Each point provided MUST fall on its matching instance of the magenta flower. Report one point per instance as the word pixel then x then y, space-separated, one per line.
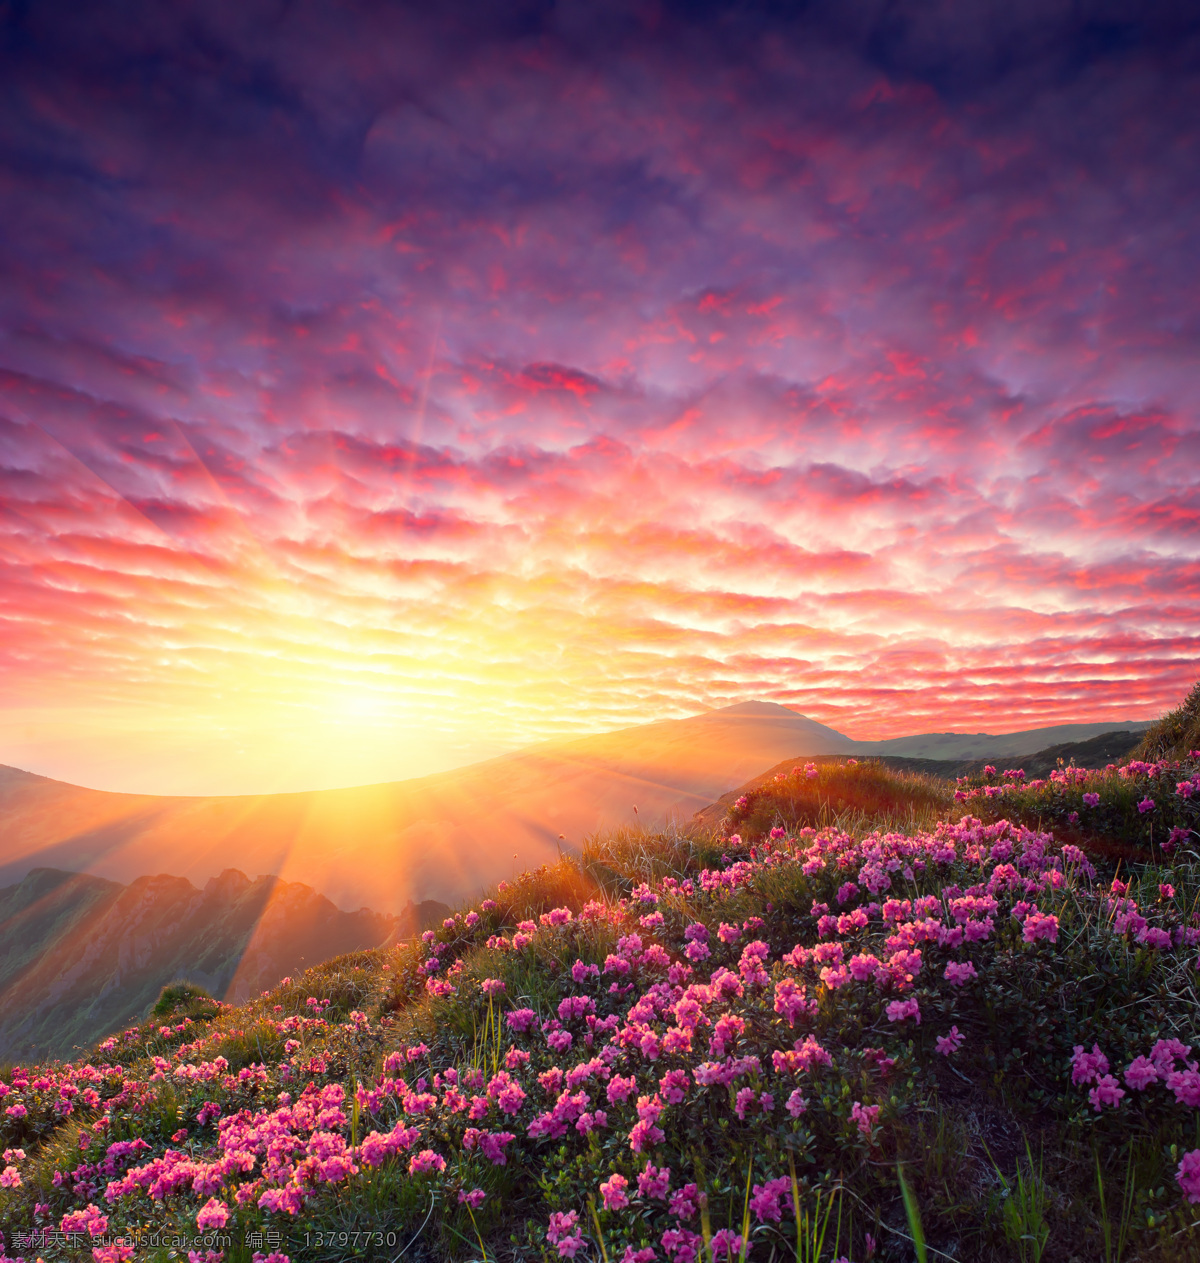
pixel 621 1089
pixel 791 1001
pixel 1147 804
pixel 865 1116
pixel 475 1198
pixel 686 1202
pixel 1140 1073
pixel 213 1214
pixel 1186 1086
pixel 1041 926
pixel 563 1232
pixel 613 1192
pixel 90 1221
pixel 674 1085
pixel 1187 1175
pixel 727 1244
pixel 949 1044
pixel 959 972
pixel 1091 800
pixel 796 1104
pixel 426 1160
pixel 1154 936
pixel 1087 1067
pixel 1106 1092
pixel 654 1182
pixel 681 1245
pixel 765 1203
pixel 902 1010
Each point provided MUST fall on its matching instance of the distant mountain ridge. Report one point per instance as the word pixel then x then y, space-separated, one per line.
pixel 80 956
pixel 448 836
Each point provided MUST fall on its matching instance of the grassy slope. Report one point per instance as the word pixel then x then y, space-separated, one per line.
pixel 1176 733
pixel 959 1123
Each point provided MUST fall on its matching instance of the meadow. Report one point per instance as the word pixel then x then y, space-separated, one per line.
pixel 871 1016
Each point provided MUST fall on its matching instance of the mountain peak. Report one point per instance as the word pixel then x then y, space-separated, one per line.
pixel 756 708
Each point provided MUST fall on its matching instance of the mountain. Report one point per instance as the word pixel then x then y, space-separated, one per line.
pixel 81 955
pixel 441 837
pixel 983 745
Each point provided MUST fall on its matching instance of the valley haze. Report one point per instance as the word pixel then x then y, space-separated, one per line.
pixel 447 836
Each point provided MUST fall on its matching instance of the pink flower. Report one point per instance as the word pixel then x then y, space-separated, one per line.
pixel 1041 926
pixel 613 1192
pixel 621 1089
pixel 560 1041
pixel 948 1044
pixel 563 1232
pixel 644 1135
pixel 1087 1066
pixel 765 1203
pixel 213 1214
pixel 748 1099
pixel 959 972
pixel 1091 800
pixel 864 966
pixel 901 1010
pixel 654 1182
pixel 796 1104
pixel 10 1177
pixel 791 1001
pixel 1147 804
pixel 90 1221
pixel 1186 1086
pixel 1106 1092
pixel 492 986
pixel 1187 1175
pixel 426 1160
pixel 681 1245
pixel 686 1202
pixel 674 1085
pixel 491 1145
pixel 1140 1073
pixel 727 1244
pixel 1153 936
pixel 865 1116
pixel 750 966
pixel 475 1198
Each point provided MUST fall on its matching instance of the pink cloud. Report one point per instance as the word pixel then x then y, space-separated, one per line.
pixel 524 379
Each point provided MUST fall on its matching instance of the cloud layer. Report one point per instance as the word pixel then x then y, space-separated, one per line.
pixel 379 392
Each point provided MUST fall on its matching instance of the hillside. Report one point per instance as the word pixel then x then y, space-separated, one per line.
pixel 966 1041
pixel 443 837
pixel 80 956
pixel 1097 751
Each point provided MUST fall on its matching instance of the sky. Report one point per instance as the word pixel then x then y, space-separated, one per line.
pixel 384 387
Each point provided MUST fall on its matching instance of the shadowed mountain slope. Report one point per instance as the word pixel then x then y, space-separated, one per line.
pixel 440 837
pixel 80 956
